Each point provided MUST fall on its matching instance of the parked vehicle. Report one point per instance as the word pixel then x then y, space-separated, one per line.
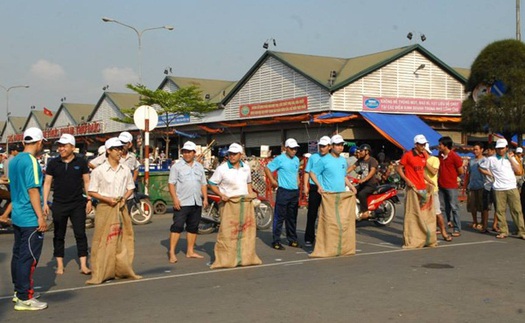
pixel 381 204
pixel 140 208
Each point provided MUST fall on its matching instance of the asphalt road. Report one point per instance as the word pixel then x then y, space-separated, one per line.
pixel 475 278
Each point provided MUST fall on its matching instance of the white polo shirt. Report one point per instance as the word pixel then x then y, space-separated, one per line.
pixel 501 169
pixel 230 180
pixel 111 182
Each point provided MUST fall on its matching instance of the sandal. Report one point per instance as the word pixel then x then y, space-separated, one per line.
pixel 447 238
pixel 501 236
pixel 456 234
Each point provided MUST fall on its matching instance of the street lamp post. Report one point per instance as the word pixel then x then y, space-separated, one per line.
pixel 7 89
pixel 139 36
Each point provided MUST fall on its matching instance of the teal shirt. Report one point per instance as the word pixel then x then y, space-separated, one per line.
pixel 331 172
pixel 24 173
pixel 314 158
pixel 287 171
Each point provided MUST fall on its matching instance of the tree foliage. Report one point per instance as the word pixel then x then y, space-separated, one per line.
pixel 500 61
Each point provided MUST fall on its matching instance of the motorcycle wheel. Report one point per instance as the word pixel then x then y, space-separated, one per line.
pixel 160 207
pixel 388 216
pixel 264 215
pixel 207 227
pixel 141 212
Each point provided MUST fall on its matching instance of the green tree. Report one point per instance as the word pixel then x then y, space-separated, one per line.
pixel 186 101
pixel 502 61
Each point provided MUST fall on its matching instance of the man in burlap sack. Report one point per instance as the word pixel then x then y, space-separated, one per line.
pixel 232 181
pixel 112 248
pixel 419 226
pixel 336 224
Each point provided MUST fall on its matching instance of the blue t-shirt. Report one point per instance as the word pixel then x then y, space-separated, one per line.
pixel 287 170
pixel 314 158
pixel 476 179
pixel 331 173
pixel 24 173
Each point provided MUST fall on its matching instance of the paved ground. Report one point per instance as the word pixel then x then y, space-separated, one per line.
pixel 475 278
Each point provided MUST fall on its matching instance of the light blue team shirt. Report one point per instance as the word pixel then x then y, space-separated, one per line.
pixel 287 171
pixel 331 172
pixel 24 173
pixel 314 158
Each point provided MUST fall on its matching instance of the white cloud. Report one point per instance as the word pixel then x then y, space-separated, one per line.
pixel 46 70
pixel 117 78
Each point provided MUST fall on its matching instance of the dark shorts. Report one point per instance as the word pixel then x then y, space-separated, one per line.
pixel 488 200
pixel 475 201
pixel 189 215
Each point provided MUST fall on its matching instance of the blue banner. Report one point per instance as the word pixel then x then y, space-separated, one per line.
pixel 173 119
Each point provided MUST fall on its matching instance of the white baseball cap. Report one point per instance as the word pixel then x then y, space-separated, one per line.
pixel 291 143
pixel 420 139
pixel 189 145
pixel 235 148
pixel 324 141
pixel 66 139
pixel 519 150
pixel 125 137
pixel 337 139
pixel 33 134
pixel 501 143
pixel 427 147
pixel 101 150
pixel 113 142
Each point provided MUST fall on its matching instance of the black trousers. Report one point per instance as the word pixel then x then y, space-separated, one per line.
pixel 286 208
pixel 314 201
pixel 77 213
pixel 362 195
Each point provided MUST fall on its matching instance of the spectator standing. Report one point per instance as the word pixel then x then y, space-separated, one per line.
pixel 287 196
pixel 475 188
pixel 28 218
pixel 488 191
pixel 450 167
pixel 69 175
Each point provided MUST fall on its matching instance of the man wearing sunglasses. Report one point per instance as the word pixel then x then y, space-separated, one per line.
pixel 287 198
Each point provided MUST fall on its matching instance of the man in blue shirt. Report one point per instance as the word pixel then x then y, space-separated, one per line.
pixel 287 197
pixel 310 189
pixel 28 219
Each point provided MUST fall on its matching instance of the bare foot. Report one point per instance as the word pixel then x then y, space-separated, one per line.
pixel 194 255
pixel 85 271
pixel 59 271
pixel 173 259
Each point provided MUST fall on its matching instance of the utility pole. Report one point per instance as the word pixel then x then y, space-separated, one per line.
pixel 518 23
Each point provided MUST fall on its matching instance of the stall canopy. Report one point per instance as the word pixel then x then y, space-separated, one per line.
pixel 400 129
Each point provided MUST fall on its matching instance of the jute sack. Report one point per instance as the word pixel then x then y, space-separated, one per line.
pixel 336 225
pixel 112 248
pixel 235 244
pixel 419 227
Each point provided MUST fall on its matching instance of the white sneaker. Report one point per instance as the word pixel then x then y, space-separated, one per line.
pixel 35 295
pixel 30 305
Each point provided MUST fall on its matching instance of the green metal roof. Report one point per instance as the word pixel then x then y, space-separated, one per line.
pixel 217 89
pixel 77 111
pixel 18 123
pixel 124 100
pixel 41 118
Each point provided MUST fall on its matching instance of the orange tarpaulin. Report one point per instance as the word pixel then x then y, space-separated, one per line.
pixel 211 130
pixel 441 119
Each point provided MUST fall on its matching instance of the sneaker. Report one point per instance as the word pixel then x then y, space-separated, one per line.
pixel 30 305
pixel 278 246
pixel 294 244
pixel 308 244
pixel 35 295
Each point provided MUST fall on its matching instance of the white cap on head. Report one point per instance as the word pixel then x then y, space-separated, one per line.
pixel 33 134
pixel 337 139
pixel 501 143
pixel 66 139
pixel 519 150
pixel 125 137
pixel 113 142
pixel 101 150
pixel 189 145
pixel 235 148
pixel 420 139
pixel 291 143
pixel 427 147
pixel 324 141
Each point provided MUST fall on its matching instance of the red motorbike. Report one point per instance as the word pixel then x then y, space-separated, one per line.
pixel 210 219
pixel 381 204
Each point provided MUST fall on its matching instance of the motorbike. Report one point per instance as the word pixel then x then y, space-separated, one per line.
pixel 140 208
pixel 381 204
pixel 210 219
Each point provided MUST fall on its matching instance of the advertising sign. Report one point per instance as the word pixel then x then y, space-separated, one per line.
pixel 274 107
pixel 411 105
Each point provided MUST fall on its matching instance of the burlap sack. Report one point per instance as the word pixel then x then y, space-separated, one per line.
pixel 112 248
pixel 235 244
pixel 336 225
pixel 419 227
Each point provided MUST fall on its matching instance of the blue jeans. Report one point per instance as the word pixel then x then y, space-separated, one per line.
pixel 448 198
pixel 26 252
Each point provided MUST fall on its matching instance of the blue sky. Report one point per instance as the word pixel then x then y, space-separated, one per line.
pixel 63 49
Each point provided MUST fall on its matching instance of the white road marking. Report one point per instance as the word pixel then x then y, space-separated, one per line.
pixel 208 272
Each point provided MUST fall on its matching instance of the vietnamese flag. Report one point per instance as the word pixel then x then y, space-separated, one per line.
pixel 48 112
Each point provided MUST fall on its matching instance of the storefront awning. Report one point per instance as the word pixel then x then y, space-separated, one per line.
pixel 400 129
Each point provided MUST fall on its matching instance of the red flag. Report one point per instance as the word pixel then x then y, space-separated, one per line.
pixel 48 112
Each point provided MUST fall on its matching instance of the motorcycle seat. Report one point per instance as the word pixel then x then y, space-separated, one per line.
pixel 383 188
